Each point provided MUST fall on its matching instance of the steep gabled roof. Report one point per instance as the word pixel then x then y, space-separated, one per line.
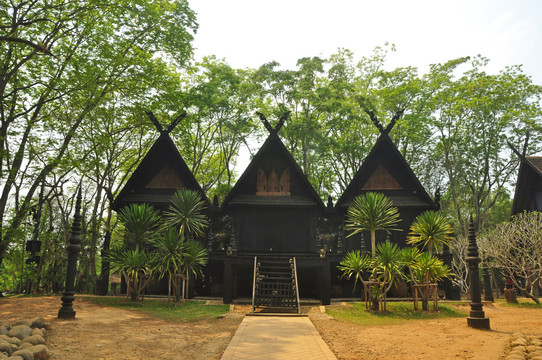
pixel 386 170
pixel 274 151
pixel 528 184
pixel 161 172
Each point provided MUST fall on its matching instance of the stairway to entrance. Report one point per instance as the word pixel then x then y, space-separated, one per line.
pixel 275 284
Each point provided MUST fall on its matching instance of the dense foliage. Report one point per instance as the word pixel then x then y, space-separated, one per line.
pixel 76 78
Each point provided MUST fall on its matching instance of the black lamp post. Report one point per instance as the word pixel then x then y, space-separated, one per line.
pixel 477 318
pixel 66 311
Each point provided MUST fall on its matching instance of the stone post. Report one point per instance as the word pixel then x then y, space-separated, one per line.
pixel 66 311
pixel 477 318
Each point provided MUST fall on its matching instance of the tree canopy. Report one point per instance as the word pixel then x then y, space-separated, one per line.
pixel 77 77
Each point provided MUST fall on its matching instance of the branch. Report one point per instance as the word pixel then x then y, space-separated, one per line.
pixel 371 114
pixel 525 144
pixel 39 46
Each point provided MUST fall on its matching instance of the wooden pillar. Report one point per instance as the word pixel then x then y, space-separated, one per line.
pixel 325 282
pixel 228 282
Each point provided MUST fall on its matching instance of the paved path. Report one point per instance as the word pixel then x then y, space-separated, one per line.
pixel 275 338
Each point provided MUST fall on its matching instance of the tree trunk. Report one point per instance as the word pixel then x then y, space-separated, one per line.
pixel 373 244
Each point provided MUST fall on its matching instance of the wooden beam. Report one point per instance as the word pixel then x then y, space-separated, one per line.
pixel 175 122
pixel 265 122
pixel 154 120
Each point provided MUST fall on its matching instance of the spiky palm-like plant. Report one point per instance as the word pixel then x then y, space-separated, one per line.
pixel 371 212
pixel 194 259
pixel 186 213
pixel 432 230
pixel 428 268
pixel 353 265
pixel 136 266
pixel 169 247
pixel 388 266
pixel 140 222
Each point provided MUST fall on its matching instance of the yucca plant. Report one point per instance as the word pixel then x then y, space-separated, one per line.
pixel 431 230
pixel 140 222
pixel 194 259
pixel 428 268
pixel 135 266
pixel 186 213
pixel 353 265
pixel 169 247
pixel 410 257
pixel 388 267
pixel 371 212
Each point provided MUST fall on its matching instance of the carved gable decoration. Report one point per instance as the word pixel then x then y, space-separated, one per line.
pixel 166 178
pixel 272 185
pixel 381 179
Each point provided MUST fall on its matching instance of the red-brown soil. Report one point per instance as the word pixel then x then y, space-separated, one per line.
pixel 110 333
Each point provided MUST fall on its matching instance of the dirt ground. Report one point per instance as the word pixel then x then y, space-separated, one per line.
pixel 110 333
pixel 448 338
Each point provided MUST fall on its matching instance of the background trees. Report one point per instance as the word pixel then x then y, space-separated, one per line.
pixel 515 247
pixel 77 76
pixel 64 63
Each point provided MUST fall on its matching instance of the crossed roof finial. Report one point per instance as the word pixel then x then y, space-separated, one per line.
pixel 171 126
pixel 268 125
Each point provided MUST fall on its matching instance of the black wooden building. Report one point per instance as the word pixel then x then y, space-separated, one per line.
pixel 528 194
pixel 160 174
pixel 273 210
pixel 385 170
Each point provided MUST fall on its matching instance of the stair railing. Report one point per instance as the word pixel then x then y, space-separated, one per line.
pixel 296 288
pixel 254 282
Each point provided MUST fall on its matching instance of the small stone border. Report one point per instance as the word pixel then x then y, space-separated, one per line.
pixel 524 347
pixel 23 340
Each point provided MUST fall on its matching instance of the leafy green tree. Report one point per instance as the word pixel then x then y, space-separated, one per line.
pixel 371 212
pixel 217 99
pixel 476 115
pixel 65 59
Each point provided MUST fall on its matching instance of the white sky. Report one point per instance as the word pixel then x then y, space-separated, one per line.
pixel 249 33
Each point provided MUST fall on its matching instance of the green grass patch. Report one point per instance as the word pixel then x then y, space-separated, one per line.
pixel 396 313
pixel 522 303
pixel 167 310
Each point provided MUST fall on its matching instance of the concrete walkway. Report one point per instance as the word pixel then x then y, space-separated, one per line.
pixel 275 338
